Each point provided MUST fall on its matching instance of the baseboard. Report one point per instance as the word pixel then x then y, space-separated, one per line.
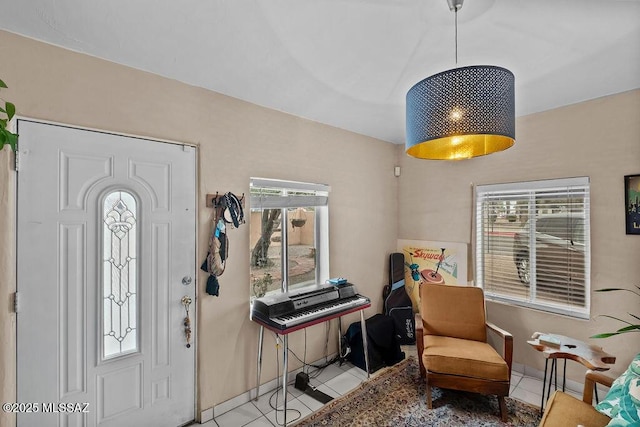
pixel 206 415
pixel 571 385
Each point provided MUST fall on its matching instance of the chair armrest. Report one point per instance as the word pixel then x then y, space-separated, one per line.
pixel 499 331
pixel 420 343
pixel 590 380
pixel 507 339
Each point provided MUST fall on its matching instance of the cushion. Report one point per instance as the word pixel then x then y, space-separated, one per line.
pixel 453 311
pixel 564 410
pixel 622 402
pixel 468 358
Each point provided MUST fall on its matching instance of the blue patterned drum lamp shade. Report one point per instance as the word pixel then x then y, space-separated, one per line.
pixel 461 113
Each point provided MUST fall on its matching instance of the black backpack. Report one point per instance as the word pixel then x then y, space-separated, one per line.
pixel 383 347
pixel 397 303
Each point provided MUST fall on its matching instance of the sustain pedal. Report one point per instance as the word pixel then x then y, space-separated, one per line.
pixel 302 384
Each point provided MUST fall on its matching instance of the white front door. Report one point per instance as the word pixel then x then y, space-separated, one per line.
pixel 106 252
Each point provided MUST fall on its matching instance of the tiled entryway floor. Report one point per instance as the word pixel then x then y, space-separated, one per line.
pixel 336 381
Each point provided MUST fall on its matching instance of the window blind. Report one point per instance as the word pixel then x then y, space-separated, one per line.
pixel 532 244
pixel 280 194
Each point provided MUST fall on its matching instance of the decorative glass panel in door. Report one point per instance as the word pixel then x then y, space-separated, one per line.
pixel 119 280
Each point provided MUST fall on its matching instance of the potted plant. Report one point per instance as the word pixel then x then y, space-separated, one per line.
pixel 299 219
pixel 298 222
pixel 630 326
pixel 261 285
pixel 6 114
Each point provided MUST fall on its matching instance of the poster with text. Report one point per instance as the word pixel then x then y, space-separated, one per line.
pixel 432 262
pixel 632 196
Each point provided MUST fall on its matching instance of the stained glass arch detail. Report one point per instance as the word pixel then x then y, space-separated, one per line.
pixel 119 274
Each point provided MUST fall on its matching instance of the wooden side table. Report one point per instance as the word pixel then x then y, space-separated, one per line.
pixel 556 347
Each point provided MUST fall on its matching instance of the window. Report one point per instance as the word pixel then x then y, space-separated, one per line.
pixel 119 275
pixel 532 244
pixel 289 241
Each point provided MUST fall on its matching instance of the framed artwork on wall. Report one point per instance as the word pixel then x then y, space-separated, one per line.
pixel 632 203
pixel 427 261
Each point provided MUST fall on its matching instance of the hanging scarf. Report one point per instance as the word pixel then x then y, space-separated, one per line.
pixel 228 210
pixel 216 260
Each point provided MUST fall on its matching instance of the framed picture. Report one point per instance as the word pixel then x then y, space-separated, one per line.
pixel 427 261
pixel 632 203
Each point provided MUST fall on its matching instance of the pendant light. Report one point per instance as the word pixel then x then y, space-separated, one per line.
pixel 461 113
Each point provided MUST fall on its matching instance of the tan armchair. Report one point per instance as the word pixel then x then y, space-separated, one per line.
pixel 451 336
pixel 562 409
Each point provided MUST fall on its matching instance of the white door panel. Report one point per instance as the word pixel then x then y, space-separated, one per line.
pixel 100 280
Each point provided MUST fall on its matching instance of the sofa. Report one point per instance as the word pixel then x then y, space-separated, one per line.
pixel 620 407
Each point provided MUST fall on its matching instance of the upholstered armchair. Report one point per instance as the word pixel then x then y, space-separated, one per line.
pixel 451 336
pixel 565 410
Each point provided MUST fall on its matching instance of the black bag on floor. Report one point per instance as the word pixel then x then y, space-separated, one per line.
pixel 383 346
pixel 397 303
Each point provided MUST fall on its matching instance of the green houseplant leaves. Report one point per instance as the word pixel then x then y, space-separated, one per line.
pixel 631 327
pixel 7 111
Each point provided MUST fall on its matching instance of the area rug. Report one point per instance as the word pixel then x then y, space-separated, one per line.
pixel 396 397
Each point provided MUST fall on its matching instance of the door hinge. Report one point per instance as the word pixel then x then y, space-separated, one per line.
pixel 16 160
pixel 16 302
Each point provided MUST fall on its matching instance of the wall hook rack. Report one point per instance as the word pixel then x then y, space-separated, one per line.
pixel 214 200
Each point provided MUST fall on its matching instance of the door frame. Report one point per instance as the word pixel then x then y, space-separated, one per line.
pixel 11 352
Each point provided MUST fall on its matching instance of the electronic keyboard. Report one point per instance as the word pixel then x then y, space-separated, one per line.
pixel 289 311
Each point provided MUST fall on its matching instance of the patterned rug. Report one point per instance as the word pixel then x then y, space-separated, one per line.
pixel 396 397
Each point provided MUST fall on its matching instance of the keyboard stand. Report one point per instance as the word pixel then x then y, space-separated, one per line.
pixel 285 348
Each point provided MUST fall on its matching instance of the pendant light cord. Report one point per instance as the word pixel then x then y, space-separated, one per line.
pixel 456 38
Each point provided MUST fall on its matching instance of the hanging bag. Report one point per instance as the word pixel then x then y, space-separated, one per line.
pixel 227 210
pixel 215 262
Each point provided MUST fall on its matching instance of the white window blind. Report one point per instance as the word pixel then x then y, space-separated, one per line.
pixel 532 244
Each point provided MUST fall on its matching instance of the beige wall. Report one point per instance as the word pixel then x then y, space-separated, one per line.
pixel 236 140
pixel 599 139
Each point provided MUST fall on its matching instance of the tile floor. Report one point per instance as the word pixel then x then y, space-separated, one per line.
pixel 335 381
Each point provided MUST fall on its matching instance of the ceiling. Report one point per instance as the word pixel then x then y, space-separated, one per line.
pixel 349 63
